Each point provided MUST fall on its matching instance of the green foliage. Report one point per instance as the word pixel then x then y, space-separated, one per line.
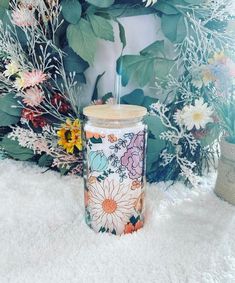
pixel 173 27
pixel 82 40
pixel 156 48
pixel 73 62
pixel 9 105
pixel 101 4
pixel 137 97
pixel 45 160
pixel 122 34
pixel 95 94
pixel 4 4
pixel 9 110
pixel 7 120
pixel 166 8
pixel 138 67
pixel 101 27
pixel 142 67
pixel 71 10
pixel 16 151
pixel 155 145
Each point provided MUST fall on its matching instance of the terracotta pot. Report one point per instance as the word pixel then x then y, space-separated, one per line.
pixel 225 183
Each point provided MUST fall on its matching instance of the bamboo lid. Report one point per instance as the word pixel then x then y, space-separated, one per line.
pixel 114 112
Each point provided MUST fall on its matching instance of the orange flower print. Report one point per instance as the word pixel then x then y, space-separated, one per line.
pixel 112 138
pixel 110 205
pixel 139 225
pixel 130 228
pixel 136 185
pixel 90 135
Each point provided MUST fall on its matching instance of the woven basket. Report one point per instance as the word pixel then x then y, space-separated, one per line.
pixel 225 183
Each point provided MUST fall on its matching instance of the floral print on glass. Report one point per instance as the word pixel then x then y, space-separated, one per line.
pixel 115 179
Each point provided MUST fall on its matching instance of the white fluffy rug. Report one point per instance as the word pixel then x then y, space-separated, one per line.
pixel 189 235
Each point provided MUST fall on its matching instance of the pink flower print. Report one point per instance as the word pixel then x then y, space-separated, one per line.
pixel 133 158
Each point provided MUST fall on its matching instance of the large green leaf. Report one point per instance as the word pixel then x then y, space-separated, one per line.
pixel 101 3
pixel 82 40
pixel 101 27
pixel 165 8
pixel 4 4
pixel 173 27
pixel 194 2
pixel 155 126
pixel 73 62
pixel 155 48
pixel 136 97
pixel 16 151
pixel 7 120
pixel 9 105
pixel 163 68
pixel 139 67
pixel 71 10
pixel 154 148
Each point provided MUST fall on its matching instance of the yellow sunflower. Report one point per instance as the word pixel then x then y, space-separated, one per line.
pixel 70 135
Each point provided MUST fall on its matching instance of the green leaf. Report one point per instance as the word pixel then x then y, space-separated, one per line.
pixel 101 3
pixel 45 160
pixel 194 2
pixel 139 67
pixel 101 27
pixel 154 148
pixel 94 140
pixel 155 48
pixel 71 10
pixel 122 34
pixel 4 4
pixel 9 105
pixel 7 120
pixel 148 101
pixel 16 151
pixel 95 92
pixel 155 126
pixel 82 40
pixel 136 97
pixel 173 27
pixel 165 8
pixel 127 10
pixel 73 62
pixel 163 68
pixel 80 77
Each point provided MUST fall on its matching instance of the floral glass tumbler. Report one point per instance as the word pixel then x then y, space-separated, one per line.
pixel 115 168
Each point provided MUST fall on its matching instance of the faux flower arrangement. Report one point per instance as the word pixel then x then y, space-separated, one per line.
pixel 46 46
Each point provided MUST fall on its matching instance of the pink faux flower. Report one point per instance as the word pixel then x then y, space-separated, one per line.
pixel 23 17
pixel 33 96
pixel 33 78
